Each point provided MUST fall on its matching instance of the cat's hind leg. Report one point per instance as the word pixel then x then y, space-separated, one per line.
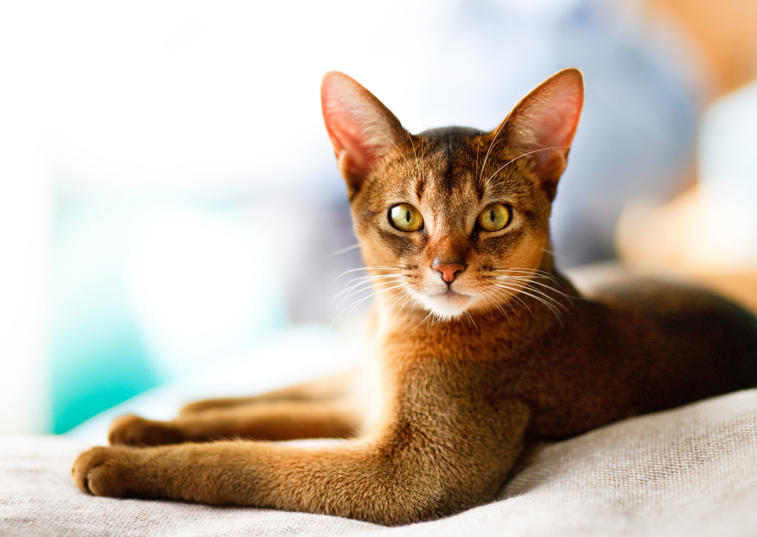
pixel 274 420
pixel 322 389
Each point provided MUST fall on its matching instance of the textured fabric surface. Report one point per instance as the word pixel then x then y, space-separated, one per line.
pixel 686 472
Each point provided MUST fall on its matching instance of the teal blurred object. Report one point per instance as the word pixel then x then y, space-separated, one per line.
pixel 98 357
pixel 98 361
pixel 145 293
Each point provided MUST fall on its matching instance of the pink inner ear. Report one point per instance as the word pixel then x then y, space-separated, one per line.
pixel 556 125
pixel 345 137
pixel 356 123
pixel 549 118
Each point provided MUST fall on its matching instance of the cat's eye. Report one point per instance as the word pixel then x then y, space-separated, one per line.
pixel 405 217
pixel 495 217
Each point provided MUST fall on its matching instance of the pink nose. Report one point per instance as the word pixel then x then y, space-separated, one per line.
pixel 448 270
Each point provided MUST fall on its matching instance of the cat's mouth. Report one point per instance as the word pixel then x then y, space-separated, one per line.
pixel 448 303
pixel 449 293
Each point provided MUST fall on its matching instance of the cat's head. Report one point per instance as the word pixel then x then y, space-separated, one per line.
pixel 453 219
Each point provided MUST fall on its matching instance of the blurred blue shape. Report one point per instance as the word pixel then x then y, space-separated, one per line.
pixel 644 93
pixel 728 164
pixel 201 290
pixel 98 360
pixel 98 356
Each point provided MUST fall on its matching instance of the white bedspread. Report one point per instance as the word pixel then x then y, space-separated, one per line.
pixel 689 472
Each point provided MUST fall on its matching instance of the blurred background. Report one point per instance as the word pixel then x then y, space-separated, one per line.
pixel 169 197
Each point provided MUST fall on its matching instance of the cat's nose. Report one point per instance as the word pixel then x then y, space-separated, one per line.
pixel 448 270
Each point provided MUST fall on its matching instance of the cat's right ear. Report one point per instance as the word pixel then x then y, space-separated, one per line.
pixel 362 130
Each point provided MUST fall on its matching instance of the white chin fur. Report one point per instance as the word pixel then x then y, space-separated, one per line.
pixel 446 306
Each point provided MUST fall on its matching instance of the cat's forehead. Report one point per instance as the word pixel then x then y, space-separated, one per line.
pixel 450 147
pixel 440 163
pixel 451 134
pixel 453 164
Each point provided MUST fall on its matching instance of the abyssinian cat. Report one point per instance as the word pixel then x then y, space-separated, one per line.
pixel 483 347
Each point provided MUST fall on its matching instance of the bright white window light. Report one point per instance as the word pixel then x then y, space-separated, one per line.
pixel 200 286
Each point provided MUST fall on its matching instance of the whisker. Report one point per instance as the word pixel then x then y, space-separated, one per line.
pixel 417 161
pixel 379 276
pixel 407 297
pixel 487 299
pixel 518 158
pixel 363 279
pixel 538 292
pixel 523 276
pixel 486 157
pixel 498 294
pixel 523 269
pixel 342 250
pixel 550 299
pixel 544 285
pixel 366 285
pixel 526 270
pixel 368 268
pixel 470 319
pixel 548 302
pixel 478 150
pixel 350 308
pixel 353 306
pixel 430 313
pixel 561 257
pixel 403 292
pixel 512 292
pixel 501 286
pixel 534 273
pixel 372 278
pixel 531 281
pixel 500 308
pixel 399 293
pixel 359 288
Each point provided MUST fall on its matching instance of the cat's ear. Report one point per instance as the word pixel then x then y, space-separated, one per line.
pixel 543 124
pixel 361 128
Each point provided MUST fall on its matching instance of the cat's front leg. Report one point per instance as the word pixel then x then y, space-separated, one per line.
pixel 400 475
pixel 351 481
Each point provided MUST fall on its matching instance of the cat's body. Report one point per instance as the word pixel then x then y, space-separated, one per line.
pixel 481 346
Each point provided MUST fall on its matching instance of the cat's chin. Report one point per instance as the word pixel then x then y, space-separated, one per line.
pixel 447 304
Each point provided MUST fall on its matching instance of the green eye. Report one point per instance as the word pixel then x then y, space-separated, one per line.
pixel 495 217
pixel 405 217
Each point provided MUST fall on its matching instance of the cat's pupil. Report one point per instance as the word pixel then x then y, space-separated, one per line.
pixel 491 215
pixel 407 216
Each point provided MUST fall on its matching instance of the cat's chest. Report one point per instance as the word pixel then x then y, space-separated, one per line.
pixel 499 343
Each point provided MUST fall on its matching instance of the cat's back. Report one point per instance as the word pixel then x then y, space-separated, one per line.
pixel 700 335
pixel 634 345
pixel 669 300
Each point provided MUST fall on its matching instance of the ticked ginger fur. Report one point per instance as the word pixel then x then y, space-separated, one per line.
pixel 481 347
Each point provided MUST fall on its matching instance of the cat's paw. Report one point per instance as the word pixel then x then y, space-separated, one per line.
pixel 131 430
pixel 103 471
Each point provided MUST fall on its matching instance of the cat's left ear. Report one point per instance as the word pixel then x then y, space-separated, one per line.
pixel 543 124
pixel 362 130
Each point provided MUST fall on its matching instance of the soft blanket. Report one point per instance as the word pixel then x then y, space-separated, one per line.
pixel 687 472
